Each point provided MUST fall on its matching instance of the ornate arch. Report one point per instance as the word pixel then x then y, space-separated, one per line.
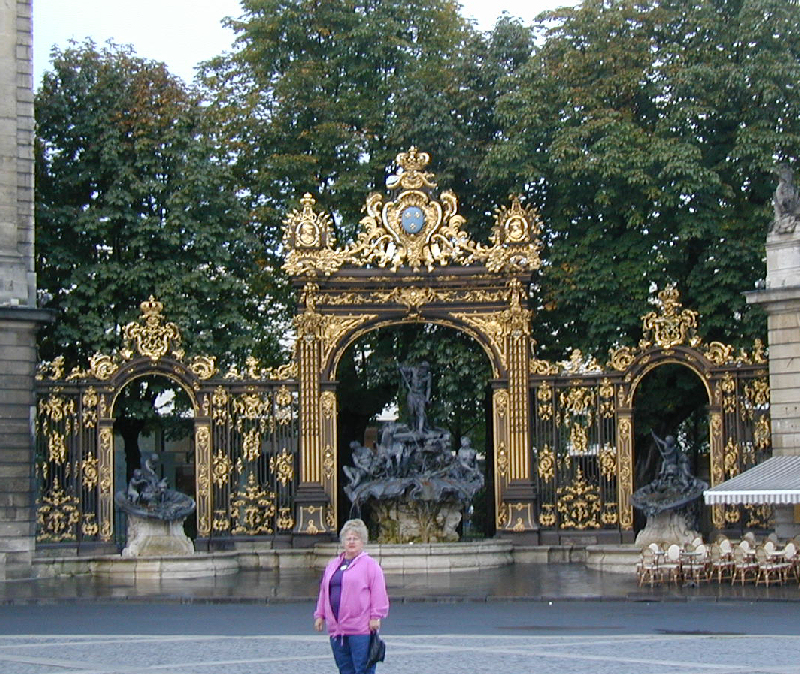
pixel 244 438
pixel 411 263
pixel 582 414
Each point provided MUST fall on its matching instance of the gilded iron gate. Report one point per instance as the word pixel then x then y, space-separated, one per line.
pixel 244 441
pixel 582 423
pixel 265 440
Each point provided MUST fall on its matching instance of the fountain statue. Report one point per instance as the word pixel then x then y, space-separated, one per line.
pixel 668 499
pixel 155 514
pixel 415 484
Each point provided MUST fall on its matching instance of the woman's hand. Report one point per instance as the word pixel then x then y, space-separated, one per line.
pixel 374 623
pixel 319 623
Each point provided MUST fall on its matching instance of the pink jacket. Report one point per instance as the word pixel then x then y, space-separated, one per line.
pixel 363 596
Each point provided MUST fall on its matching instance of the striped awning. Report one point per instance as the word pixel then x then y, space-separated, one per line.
pixel 777 480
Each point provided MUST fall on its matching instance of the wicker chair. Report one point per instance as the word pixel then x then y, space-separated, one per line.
pixel 647 568
pixel 720 564
pixel 744 566
pixel 768 569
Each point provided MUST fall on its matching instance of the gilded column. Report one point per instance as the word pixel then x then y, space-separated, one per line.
pixel 312 501
pixel 520 493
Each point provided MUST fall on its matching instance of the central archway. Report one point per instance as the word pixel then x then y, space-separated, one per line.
pixel 372 399
pixel 412 263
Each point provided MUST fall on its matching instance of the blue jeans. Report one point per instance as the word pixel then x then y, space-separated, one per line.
pixel 351 653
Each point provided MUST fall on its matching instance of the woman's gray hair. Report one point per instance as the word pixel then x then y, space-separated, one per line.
pixel 357 527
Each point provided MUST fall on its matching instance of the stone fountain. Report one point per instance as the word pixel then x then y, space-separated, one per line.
pixel 416 485
pixel 668 499
pixel 155 514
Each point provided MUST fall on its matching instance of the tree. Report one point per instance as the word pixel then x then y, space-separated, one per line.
pixel 646 131
pixel 320 96
pixel 129 202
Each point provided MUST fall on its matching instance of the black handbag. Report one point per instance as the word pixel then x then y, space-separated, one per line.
pixel 377 649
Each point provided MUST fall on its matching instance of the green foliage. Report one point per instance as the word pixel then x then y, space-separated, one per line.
pixel 647 132
pixel 130 202
pixel 460 372
pixel 320 96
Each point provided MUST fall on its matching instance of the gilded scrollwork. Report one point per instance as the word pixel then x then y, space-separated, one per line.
pixel 328 462
pixel 414 229
pixel 252 509
pixel 203 366
pixel 719 353
pixel 607 459
pixel 671 325
pixel 579 503
pixel 221 468
pixel 762 435
pixel 731 459
pixel 547 516
pixel 152 337
pixel 622 358
pixel 89 403
pixel 56 448
pixel 285 520
pixel 89 471
pixel 502 460
pixel 283 467
pixel 547 463
pixel 102 367
pixel 544 397
pixel 58 514
pixel 251 444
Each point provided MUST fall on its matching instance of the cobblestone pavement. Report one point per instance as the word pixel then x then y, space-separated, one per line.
pixel 538 619
pixel 445 638
pixel 412 654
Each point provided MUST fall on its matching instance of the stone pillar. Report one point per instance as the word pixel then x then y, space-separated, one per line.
pixel 18 315
pixel 780 298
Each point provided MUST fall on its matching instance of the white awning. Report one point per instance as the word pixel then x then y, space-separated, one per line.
pixel 777 480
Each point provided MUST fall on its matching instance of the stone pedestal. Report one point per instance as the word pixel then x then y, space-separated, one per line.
pixel 417 521
pixel 149 537
pixel 668 526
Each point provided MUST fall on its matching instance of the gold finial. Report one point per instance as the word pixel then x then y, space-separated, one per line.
pixel 669 299
pixel 410 175
pixel 413 160
pixel 151 308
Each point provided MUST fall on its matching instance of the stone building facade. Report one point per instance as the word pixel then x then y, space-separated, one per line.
pixel 780 298
pixel 19 317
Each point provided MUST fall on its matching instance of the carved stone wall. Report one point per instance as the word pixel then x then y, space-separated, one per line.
pixel 18 315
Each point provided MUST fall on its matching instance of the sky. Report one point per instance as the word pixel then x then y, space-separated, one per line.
pixel 183 33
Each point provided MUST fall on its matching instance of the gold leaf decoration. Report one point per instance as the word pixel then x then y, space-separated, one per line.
pixel 152 337
pixel 283 467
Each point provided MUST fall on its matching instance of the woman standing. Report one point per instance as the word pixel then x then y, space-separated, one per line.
pixel 352 600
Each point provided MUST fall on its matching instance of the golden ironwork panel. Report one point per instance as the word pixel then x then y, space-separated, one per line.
pixel 625 470
pixel 106 470
pixel 500 401
pixel 204 471
pixel 575 447
pixel 311 520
